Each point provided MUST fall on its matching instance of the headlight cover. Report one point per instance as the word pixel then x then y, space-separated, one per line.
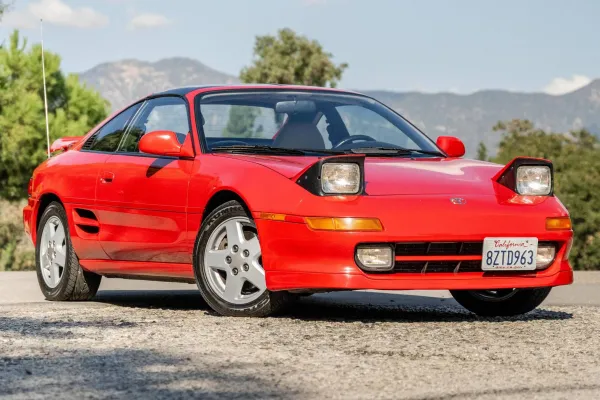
pixel 335 176
pixel 534 180
pixel 528 176
pixel 340 178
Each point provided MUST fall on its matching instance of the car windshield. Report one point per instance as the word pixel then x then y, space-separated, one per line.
pixel 303 122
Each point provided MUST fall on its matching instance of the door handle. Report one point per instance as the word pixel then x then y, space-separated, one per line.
pixel 107 177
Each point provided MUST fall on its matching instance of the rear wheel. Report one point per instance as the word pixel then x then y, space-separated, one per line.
pixel 60 276
pixel 228 265
pixel 501 302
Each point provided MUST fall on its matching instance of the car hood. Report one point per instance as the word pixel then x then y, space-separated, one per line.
pixel 404 176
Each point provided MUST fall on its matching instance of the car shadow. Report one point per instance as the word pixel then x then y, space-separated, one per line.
pixel 336 306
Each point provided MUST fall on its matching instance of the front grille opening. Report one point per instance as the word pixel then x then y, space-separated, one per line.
pixel 439 248
pixel 437 266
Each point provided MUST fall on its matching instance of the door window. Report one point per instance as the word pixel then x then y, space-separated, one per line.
pixel 108 137
pixel 159 114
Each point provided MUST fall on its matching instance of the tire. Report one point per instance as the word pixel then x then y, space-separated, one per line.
pixel 71 282
pixel 214 278
pixel 505 303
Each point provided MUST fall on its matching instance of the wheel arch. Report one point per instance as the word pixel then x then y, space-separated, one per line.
pixel 43 203
pixel 222 196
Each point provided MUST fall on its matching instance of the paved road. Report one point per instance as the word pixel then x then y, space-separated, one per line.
pixel 144 340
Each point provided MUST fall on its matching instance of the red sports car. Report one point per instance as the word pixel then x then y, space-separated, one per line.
pixel 262 193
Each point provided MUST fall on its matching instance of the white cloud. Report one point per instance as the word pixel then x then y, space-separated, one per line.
pixel 20 20
pixel 143 21
pixel 560 86
pixel 55 12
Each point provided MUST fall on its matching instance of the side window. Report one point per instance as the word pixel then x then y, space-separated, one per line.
pixel 159 114
pixel 108 137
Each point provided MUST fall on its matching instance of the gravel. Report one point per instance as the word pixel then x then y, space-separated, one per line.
pixel 174 347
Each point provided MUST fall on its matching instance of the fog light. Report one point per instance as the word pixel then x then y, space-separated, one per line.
pixel 375 258
pixel 545 256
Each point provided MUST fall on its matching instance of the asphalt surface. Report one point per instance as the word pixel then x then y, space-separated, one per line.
pixel 156 340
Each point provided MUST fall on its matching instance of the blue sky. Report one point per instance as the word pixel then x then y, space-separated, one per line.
pixel 424 45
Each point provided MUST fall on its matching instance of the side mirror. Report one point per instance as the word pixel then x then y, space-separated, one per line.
pixel 451 145
pixel 165 143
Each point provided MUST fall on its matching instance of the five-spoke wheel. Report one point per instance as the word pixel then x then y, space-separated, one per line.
pixel 53 252
pixel 59 274
pixel 232 261
pixel 228 265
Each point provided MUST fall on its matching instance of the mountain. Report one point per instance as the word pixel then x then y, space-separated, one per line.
pixel 122 82
pixel 470 117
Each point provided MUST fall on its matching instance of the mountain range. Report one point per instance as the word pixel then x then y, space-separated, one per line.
pixel 469 117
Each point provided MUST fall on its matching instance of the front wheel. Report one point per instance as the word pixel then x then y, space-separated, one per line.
pixel 228 265
pixel 501 302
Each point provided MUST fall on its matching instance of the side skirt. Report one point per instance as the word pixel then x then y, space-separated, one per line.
pixel 152 271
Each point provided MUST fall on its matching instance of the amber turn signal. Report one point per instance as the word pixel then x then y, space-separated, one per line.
pixel 558 224
pixel 271 216
pixel 344 224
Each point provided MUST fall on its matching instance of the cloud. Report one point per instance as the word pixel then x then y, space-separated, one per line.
pixel 144 21
pixel 55 12
pixel 560 86
pixel 20 20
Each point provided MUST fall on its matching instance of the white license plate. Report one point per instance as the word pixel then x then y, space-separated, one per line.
pixel 509 254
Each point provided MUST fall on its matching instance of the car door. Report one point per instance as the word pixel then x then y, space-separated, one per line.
pixel 81 173
pixel 142 198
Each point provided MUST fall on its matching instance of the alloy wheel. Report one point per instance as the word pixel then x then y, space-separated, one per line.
pixel 53 252
pixel 233 262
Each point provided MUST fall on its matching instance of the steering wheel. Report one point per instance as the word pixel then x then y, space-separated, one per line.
pixel 354 138
pixel 229 143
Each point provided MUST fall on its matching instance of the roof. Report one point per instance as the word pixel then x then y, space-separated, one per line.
pixel 184 91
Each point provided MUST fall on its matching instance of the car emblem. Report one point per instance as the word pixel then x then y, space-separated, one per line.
pixel 458 201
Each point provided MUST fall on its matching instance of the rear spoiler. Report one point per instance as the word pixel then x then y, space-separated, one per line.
pixel 64 143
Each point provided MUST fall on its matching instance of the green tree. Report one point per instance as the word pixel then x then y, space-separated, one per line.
pixel 576 159
pixel 241 122
pixel 289 58
pixel 482 153
pixel 73 111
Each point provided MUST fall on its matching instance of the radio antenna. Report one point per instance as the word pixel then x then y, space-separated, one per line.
pixel 45 94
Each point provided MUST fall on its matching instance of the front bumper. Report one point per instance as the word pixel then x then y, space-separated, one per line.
pixel 296 257
pixel 28 222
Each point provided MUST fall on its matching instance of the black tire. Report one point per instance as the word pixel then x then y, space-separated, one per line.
pixel 267 304
pixel 519 302
pixel 75 284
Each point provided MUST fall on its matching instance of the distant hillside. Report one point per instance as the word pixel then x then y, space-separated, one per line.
pixel 122 82
pixel 469 117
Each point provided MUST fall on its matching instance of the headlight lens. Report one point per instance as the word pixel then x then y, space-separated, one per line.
pixel 545 256
pixel 534 180
pixel 340 178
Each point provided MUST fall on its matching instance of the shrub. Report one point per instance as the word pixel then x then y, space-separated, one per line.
pixel 17 253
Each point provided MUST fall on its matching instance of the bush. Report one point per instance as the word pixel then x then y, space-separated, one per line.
pixel 576 159
pixel 16 251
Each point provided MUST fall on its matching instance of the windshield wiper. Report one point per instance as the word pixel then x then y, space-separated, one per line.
pixel 270 150
pixel 393 151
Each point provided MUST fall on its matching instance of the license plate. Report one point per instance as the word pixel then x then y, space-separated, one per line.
pixel 509 254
